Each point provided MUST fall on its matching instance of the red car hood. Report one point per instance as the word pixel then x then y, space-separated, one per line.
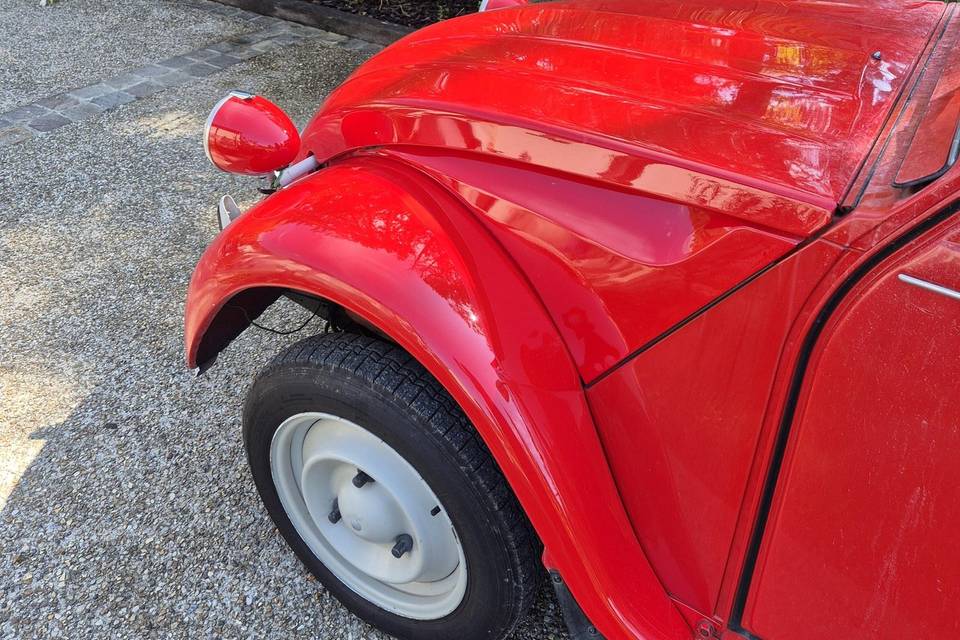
pixel 783 97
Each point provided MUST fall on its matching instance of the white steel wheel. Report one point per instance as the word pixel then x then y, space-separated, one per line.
pixel 368 516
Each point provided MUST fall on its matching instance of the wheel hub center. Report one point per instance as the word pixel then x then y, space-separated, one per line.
pixel 367 513
pixel 371 513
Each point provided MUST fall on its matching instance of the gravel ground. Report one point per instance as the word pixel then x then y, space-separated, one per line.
pixel 127 507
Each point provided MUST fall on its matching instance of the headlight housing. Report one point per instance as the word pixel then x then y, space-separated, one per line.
pixel 249 135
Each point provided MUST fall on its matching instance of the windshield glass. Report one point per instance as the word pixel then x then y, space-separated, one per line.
pixel 935 145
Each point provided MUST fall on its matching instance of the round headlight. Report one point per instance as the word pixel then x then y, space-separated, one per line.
pixel 250 135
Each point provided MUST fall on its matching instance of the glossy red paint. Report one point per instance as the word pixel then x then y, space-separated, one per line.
pixel 403 254
pixel 916 208
pixel 664 443
pixel 877 208
pixel 782 97
pixel 616 278
pixel 609 229
pixel 250 135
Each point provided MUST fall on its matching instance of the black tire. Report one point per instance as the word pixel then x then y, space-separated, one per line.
pixel 379 386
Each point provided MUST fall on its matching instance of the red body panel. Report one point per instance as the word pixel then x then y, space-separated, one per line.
pixel 681 421
pixel 607 227
pixel 786 96
pixel 863 538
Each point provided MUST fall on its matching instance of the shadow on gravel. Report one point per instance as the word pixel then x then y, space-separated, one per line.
pixel 138 518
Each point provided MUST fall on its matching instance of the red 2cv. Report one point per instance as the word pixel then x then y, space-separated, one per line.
pixel 656 299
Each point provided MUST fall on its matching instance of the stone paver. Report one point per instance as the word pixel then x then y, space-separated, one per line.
pixel 48 122
pixel 112 100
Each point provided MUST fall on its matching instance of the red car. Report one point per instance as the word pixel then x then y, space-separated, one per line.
pixel 662 296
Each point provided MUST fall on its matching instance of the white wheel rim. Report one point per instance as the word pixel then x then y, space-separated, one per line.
pixel 314 458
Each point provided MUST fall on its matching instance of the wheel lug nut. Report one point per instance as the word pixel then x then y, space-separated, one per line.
pixel 334 516
pixel 361 479
pixel 403 545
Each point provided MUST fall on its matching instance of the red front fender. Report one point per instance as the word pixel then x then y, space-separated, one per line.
pixel 393 247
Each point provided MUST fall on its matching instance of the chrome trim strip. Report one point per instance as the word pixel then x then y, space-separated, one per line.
pixel 295 171
pixel 929 286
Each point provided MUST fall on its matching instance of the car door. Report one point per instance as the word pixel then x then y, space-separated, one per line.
pixel 863 539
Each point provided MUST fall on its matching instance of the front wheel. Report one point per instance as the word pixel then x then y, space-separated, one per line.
pixel 382 488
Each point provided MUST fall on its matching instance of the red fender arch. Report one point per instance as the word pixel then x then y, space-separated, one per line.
pixel 393 247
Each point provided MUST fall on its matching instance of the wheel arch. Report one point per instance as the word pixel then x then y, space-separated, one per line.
pixel 400 254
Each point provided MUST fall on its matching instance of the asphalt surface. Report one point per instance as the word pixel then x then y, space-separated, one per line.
pixel 126 507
